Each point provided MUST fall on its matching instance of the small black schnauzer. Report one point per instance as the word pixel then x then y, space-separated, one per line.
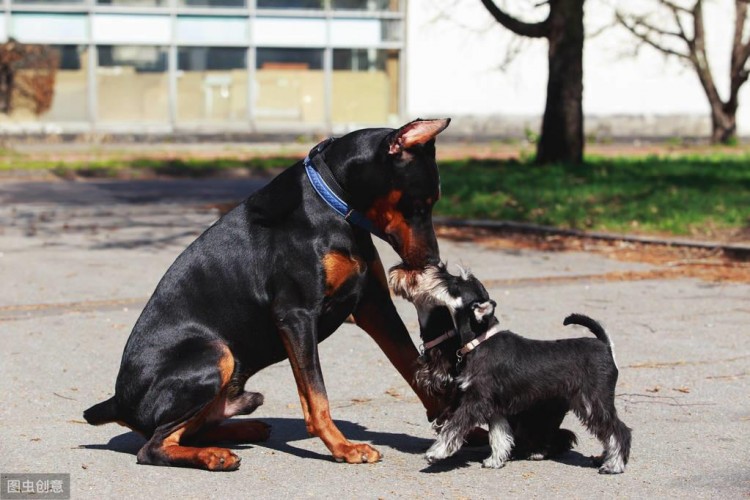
pixel 519 387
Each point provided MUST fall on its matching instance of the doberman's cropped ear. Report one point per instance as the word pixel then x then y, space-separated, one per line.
pixel 417 132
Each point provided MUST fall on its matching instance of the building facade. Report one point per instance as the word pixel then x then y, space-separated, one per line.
pixel 213 65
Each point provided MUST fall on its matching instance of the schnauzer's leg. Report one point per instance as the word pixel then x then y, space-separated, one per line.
pixel 601 419
pixel 452 434
pixel 616 448
pixel 501 441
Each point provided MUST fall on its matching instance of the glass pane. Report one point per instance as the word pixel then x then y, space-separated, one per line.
pixel 289 86
pixel 365 86
pixel 49 28
pixel 211 84
pixel 212 30
pixel 130 29
pixel 212 3
pixel 365 4
pixel 132 84
pixel 290 4
pixel 290 31
pixel 48 2
pixel 392 30
pixel 134 3
pixel 49 85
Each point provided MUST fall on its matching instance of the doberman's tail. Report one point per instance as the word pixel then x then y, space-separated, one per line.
pixel 596 328
pixel 102 413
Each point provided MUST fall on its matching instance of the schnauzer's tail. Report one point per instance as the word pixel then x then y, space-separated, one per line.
pixel 596 328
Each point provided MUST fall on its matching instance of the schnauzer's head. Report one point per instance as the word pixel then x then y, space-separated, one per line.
pixel 463 295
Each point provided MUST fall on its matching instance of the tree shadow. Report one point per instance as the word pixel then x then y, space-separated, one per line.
pixel 120 214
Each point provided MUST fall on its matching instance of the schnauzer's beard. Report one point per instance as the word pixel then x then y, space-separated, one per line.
pixel 425 288
pixel 434 373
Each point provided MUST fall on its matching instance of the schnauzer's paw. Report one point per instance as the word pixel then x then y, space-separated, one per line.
pixel 438 451
pixel 537 456
pixel 611 469
pixel 493 463
pixel 432 457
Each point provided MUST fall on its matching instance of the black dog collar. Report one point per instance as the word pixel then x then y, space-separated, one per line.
pixel 439 340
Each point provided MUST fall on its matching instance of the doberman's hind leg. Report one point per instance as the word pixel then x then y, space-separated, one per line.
pixel 235 431
pixel 202 387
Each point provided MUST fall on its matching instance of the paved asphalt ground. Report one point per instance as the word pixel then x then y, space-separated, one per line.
pixel 78 261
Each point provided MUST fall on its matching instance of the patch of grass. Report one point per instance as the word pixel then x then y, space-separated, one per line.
pixel 686 194
pixel 653 194
pixel 171 167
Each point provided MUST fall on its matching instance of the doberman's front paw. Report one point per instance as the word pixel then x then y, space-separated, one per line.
pixel 219 459
pixel 356 453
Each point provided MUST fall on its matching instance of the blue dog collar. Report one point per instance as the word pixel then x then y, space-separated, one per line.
pixel 334 201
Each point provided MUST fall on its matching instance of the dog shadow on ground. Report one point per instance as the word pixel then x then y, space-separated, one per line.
pixel 285 431
pixel 473 457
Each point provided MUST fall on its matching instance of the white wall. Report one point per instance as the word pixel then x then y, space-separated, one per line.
pixel 455 50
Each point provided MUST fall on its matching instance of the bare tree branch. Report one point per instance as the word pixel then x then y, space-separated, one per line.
pixel 531 30
pixel 674 7
pixel 740 55
pixel 676 10
pixel 633 24
pixel 723 112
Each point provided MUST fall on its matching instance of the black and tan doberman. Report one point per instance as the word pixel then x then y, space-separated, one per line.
pixel 270 280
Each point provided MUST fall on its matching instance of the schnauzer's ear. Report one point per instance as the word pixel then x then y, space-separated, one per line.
pixel 484 310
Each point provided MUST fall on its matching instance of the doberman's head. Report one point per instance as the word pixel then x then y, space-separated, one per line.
pixel 392 177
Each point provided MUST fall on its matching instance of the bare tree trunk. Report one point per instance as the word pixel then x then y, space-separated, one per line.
pixel 561 139
pixel 562 136
pixel 723 126
pixel 6 89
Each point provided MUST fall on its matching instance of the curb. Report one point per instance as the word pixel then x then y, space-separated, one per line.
pixel 735 250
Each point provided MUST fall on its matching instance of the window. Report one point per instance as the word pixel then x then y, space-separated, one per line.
pixel 290 4
pixel 50 85
pixel 132 84
pixel 365 86
pixel 70 102
pixel 289 86
pixel 48 2
pixel 213 3
pixel 134 3
pixel 365 4
pixel 211 84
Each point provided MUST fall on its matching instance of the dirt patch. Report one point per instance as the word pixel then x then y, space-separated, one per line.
pixel 716 265
pixel 672 262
